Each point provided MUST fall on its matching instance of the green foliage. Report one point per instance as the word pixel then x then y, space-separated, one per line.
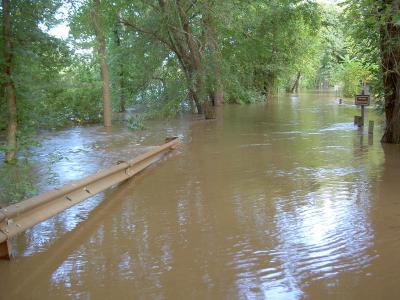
pixel 16 182
pixel 267 44
pixel 237 93
pixel 363 35
pixel 331 46
pixel 263 46
pixel 164 100
pixel 353 72
pixel 79 99
pixel 136 122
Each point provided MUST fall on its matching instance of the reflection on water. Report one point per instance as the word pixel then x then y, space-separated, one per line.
pixel 279 201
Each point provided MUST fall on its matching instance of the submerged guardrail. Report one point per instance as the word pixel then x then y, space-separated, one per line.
pixel 16 218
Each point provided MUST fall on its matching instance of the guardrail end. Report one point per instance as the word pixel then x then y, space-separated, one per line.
pixel 34 209
pixel 170 139
pixel 6 250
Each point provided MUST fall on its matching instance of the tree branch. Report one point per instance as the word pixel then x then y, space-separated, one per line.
pixel 152 33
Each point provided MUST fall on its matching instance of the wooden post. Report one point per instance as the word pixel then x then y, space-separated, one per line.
pixel 370 139
pixel 358 121
pixel 361 123
pixel 5 250
pixel 371 127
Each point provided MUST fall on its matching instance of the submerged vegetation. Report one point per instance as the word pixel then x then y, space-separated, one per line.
pixel 168 57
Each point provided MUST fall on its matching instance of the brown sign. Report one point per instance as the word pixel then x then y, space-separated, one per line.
pixel 362 99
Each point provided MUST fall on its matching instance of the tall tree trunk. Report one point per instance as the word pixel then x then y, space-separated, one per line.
pixel 271 85
pixel 105 77
pixel 195 59
pixel 2 102
pixel 9 86
pixel 194 98
pixel 295 87
pixel 390 49
pixel 216 58
pixel 181 40
pixel 120 75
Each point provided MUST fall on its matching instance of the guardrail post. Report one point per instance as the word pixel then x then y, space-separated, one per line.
pixel 5 244
pixel 5 250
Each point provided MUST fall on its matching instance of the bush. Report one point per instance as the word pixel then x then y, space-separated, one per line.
pixel 353 72
pixel 16 182
pixel 136 122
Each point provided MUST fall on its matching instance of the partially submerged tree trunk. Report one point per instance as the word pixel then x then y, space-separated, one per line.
pixel 105 77
pixel 120 74
pixel 271 85
pixel 189 50
pixel 295 87
pixel 195 56
pixel 9 86
pixel 390 49
pixel 216 59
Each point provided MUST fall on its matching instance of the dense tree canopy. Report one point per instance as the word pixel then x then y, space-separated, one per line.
pixel 167 57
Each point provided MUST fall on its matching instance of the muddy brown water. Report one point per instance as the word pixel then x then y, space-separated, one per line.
pixel 286 200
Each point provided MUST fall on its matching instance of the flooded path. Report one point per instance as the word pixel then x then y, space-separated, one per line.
pixel 286 200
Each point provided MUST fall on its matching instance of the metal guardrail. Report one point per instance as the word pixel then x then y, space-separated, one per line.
pixel 16 218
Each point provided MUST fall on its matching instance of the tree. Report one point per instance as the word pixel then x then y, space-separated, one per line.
pixel 32 64
pixel 332 47
pixel 376 30
pixel 182 27
pixel 266 45
pixel 120 72
pixel 101 48
pixel 390 49
pixel 9 85
pixel 209 20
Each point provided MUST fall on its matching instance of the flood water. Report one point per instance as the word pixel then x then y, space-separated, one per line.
pixel 284 200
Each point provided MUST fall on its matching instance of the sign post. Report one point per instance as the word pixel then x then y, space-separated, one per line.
pixel 362 101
